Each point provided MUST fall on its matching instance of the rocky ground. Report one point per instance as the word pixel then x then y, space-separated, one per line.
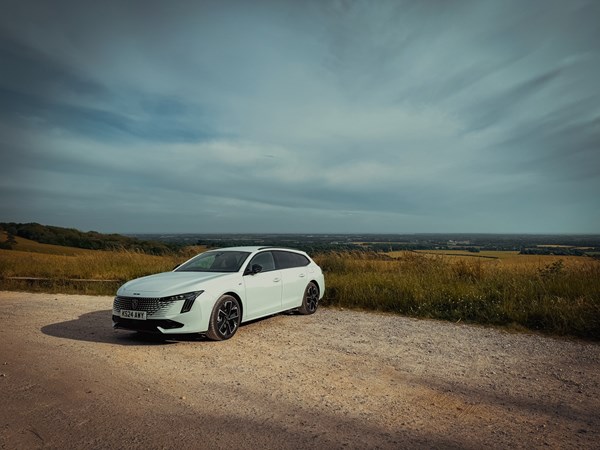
pixel 337 379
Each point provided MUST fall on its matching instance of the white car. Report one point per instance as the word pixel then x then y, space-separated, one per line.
pixel 217 290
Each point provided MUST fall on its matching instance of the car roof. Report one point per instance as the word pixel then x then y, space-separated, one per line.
pixel 249 249
pixel 252 249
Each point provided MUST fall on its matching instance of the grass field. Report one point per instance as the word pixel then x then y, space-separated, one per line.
pixel 503 258
pixel 557 295
pixel 69 269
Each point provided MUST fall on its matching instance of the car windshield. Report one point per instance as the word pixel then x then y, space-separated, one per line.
pixel 216 261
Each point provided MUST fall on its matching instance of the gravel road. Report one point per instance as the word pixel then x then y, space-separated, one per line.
pixel 337 379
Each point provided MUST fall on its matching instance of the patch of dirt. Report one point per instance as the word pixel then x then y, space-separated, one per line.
pixel 336 379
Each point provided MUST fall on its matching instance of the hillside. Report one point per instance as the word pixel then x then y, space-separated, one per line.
pixel 27 245
pixel 70 237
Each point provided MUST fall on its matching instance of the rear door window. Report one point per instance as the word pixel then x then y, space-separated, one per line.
pixel 287 260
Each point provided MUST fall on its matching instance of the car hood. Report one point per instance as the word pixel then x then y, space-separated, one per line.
pixel 168 283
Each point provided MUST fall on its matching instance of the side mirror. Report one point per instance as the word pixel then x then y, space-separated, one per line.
pixel 256 268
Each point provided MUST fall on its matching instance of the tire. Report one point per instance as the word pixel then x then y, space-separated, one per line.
pixel 225 319
pixel 310 302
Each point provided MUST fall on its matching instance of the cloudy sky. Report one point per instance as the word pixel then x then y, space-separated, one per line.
pixel 301 116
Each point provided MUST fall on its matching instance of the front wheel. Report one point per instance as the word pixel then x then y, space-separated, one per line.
pixel 225 319
pixel 310 302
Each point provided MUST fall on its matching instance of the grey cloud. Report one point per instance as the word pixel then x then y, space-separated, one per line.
pixel 387 116
pixel 503 104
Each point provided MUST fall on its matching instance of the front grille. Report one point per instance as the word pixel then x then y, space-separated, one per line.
pixel 152 306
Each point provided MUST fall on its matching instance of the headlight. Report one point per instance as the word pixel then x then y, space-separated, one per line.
pixel 188 299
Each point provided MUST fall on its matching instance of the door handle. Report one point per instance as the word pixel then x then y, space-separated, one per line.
pixel 276 280
pixel 301 275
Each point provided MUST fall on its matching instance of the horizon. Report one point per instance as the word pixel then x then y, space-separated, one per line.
pixel 243 233
pixel 302 117
pixel 357 234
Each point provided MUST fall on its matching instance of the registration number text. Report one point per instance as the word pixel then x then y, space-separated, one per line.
pixel 127 314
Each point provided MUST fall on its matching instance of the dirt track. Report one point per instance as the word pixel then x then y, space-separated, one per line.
pixel 337 379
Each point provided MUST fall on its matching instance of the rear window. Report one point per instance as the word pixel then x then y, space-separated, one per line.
pixel 287 260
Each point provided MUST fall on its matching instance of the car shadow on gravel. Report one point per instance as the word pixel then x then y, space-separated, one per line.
pixel 96 327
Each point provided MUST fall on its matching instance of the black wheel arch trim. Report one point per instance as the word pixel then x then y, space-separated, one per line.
pixel 318 287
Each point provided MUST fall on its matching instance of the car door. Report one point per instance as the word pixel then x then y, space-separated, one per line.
pixel 294 275
pixel 263 289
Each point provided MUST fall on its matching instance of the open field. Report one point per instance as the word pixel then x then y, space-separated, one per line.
pixel 335 379
pixel 553 294
pixel 59 268
pixel 505 258
pixel 60 271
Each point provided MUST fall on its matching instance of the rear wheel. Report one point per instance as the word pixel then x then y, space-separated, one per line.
pixel 225 319
pixel 310 302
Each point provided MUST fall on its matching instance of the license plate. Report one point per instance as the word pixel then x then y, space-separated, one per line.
pixel 138 315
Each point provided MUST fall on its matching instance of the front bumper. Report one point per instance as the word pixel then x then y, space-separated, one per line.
pixel 148 326
pixel 163 315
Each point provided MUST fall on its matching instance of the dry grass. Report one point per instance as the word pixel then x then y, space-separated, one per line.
pixel 58 272
pixel 549 295
pixel 118 265
pixel 505 258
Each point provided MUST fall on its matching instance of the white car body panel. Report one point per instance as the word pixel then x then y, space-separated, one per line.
pixel 294 282
pixel 164 284
pixel 261 294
